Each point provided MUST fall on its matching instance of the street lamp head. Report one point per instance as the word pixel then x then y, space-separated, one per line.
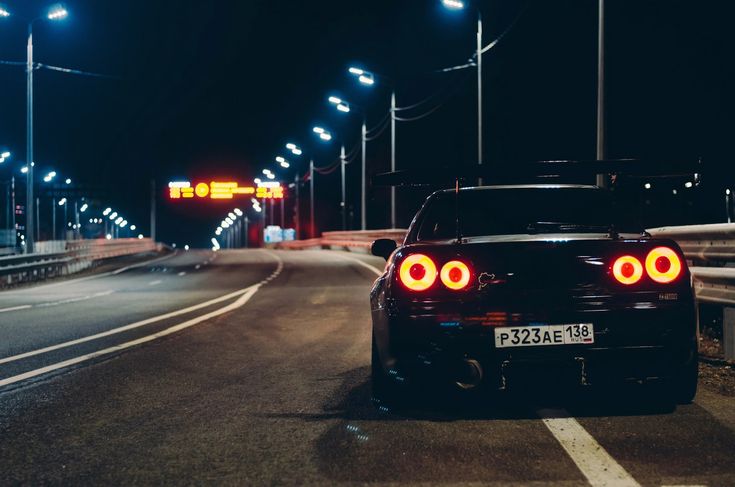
pixel 453 4
pixel 83 208
pixel 367 79
pixel 297 151
pixel 4 12
pixel 335 100
pixel 344 107
pixel 285 164
pixel 24 169
pixel 5 155
pixel 57 12
pixel 318 130
pixel 356 71
pixel 62 201
pixel 238 211
pixel 68 181
pixel 280 159
pixel 325 136
pixel 271 176
pixel 266 171
pixel 257 180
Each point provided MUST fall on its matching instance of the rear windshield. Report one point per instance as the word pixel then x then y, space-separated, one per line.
pixel 513 211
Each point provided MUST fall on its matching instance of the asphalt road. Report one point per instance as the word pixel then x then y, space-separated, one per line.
pixel 252 368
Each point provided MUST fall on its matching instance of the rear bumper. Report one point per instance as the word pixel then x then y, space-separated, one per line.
pixel 630 344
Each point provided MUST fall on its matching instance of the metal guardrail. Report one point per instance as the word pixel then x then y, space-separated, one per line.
pixel 710 250
pixel 79 255
pixel 357 241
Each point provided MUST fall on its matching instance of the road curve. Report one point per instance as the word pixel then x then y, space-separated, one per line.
pixel 269 384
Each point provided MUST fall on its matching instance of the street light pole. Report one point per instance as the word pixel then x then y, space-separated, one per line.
pixel 479 92
pixel 311 197
pixel 344 188
pixel 297 222
pixel 601 178
pixel 53 218
pixel 363 202
pixel 393 156
pixel 29 143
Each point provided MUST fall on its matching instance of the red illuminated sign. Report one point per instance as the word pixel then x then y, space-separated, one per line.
pixel 222 190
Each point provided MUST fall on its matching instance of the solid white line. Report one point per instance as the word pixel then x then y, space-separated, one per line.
pixel 147 321
pixel 364 264
pixel 591 458
pixel 182 273
pixel 245 293
pixel 154 283
pixel 15 308
pixel 116 348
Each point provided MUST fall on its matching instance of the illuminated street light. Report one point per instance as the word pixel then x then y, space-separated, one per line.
pixel 325 136
pixel 133 227
pixel 113 215
pixel 343 107
pixel 24 169
pixel 335 100
pixel 232 216
pixel 271 176
pixel 68 181
pixel 257 180
pixel 57 12
pixel 4 12
pixel 285 164
pixel 106 212
pixel 238 211
pixel 318 130
pixel 118 220
pixel 62 201
pixel 453 4
pixel 367 79
pixel 83 208
pixel 266 171
pixel 356 71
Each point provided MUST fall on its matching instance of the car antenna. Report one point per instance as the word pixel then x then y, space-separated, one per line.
pixel 456 210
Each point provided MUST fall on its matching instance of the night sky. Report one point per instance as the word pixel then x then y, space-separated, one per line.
pixel 216 88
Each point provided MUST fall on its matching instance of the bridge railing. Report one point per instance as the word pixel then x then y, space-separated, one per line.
pixel 355 241
pixel 77 255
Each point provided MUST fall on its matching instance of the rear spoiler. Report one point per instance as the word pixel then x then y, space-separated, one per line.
pixel 526 172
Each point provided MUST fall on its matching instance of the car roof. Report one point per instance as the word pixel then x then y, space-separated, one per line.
pixel 587 187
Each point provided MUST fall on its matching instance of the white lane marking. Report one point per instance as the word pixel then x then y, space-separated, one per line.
pixel 15 308
pixel 154 283
pixel 364 264
pixel 147 321
pixel 595 463
pixel 182 273
pixel 81 279
pixel 197 267
pixel 74 300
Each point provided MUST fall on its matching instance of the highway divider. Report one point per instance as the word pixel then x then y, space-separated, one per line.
pixel 74 256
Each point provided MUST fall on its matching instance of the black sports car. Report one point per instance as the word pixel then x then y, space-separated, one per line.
pixel 493 284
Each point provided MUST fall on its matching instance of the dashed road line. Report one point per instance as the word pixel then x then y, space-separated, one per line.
pixel 154 283
pixel 15 308
pixel 595 463
pixel 182 273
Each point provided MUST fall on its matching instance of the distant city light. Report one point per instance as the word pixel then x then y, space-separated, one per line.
pixel 647 185
pixel 688 184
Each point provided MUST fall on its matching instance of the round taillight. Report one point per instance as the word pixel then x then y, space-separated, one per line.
pixel 627 270
pixel 417 272
pixel 455 275
pixel 663 265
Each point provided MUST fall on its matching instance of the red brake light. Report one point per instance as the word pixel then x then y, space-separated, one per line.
pixel 455 275
pixel 663 265
pixel 417 272
pixel 627 270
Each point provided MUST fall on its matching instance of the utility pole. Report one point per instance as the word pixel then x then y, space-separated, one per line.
pixel 283 214
pixel 153 210
pixel 29 144
pixel 363 202
pixel 38 220
pixel 601 152
pixel 344 188
pixel 311 197
pixel 246 231
pixel 393 157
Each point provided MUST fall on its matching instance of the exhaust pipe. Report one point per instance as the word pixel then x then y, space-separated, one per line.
pixel 470 375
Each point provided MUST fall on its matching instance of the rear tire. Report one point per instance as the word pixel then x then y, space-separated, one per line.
pixel 683 385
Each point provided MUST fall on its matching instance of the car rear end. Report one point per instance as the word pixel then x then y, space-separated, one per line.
pixel 499 310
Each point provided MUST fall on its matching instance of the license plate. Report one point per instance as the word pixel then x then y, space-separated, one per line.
pixel 531 336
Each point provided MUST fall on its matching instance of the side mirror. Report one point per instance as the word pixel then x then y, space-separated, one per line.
pixel 383 247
